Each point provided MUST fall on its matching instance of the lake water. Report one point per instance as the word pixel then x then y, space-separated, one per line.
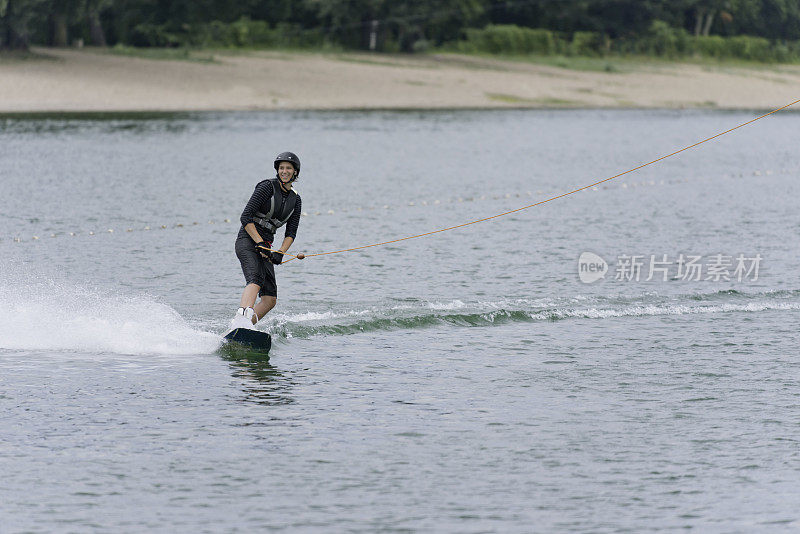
pixel 468 381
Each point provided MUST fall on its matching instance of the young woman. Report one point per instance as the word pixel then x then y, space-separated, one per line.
pixel 273 204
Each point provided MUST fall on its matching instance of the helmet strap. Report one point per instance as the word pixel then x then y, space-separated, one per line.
pixel 294 177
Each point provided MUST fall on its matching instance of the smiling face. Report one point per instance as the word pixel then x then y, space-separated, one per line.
pixel 286 172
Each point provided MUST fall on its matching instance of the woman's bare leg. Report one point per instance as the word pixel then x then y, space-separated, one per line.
pixel 264 306
pixel 249 295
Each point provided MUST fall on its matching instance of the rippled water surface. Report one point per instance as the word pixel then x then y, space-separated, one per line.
pixel 468 381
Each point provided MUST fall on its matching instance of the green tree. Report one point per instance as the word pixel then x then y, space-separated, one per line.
pixel 63 13
pixel 773 19
pixel 408 25
pixel 704 13
pixel 93 10
pixel 17 18
pixel 348 22
pixel 613 18
pixel 419 22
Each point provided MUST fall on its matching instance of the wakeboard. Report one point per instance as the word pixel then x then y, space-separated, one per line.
pixel 249 339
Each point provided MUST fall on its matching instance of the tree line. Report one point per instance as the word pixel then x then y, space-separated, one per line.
pixel 384 25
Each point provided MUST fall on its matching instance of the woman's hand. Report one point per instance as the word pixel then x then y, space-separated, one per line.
pixel 263 248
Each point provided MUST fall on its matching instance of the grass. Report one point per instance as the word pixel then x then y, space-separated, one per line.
pixel 326 48
pixel 210 54
pixel 615 63
pixel 609 64
pixel 165 54
pixel 356 57
pixel 9 56
pixel 542 101
pixel 583 63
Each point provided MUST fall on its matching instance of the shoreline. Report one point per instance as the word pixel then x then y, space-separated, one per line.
pixel 63 81
pixel 100 114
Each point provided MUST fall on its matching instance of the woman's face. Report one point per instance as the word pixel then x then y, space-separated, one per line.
pixel 285 172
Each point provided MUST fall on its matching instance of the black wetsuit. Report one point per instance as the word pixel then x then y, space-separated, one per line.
pixel 257 269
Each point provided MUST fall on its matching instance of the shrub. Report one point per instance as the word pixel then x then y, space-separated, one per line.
pixel 664 40
pixel 710 46
pixel 252 33
pixel 147 35
pixel 586 44
pixel 421 45
pixel 746 47
pixel 509 39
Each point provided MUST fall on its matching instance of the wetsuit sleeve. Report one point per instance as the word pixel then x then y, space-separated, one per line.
pixel 260 196
pixel 294 220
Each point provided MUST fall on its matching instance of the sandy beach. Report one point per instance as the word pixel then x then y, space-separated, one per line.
pixel 95 80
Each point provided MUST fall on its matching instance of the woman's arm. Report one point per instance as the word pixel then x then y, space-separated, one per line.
pixel 261 195
pixel 250 228
pixel 287 242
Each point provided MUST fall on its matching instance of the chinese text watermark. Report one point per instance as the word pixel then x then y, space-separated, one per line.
pixel 686 267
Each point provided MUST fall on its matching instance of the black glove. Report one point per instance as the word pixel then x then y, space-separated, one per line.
pixel 276 258
pixel 263 247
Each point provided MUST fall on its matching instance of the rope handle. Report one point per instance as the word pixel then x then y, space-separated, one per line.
pixel 299 256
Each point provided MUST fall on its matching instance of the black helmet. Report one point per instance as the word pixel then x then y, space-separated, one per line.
pixel 291 157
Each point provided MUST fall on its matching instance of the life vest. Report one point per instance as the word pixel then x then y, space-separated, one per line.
pixel 279 212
